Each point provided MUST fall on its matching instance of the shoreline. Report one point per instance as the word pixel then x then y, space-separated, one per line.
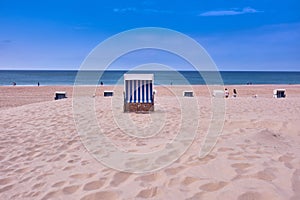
pixel 294 84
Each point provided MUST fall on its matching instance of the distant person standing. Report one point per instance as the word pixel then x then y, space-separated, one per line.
pixel 234 93
pixel 226 93
pixel 38 84
pixel 101 83
pixel 14 83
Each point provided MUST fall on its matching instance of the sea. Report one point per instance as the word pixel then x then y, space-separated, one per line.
pixel 113 77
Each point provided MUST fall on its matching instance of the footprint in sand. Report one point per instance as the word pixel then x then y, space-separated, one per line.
pixel 38 185
pixel 236 156
pixel 59 184
pixel 13 159
pixel 22 171
pixel 211 187
pixel 207 158
pixel 266 175
pixel 82 176
pixel 286 159
pixel 173 171
pixel 174 182
pixel 197 196
pixel 5 181
pixel 42 177
pixel 136 164
pixel 101 195
pixel 241 165
pixel 251 157
pixel 119 178
pixel 93 185
pixel 147 193
pixel 60 157
pixel 173 155
pixel 6 188
pixel 84 162
pixel 189 180
pixel 62 147
pixel 240 168
pixel 33 194
pixel 224 149
pixel 250 195
pixel 70 189
pixel 148 178
pixel 68 168
pixel 74 160
pixel 52 195
pixel 296 184
pixel 22 180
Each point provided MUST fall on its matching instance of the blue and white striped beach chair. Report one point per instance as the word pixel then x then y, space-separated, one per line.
pixel 138 92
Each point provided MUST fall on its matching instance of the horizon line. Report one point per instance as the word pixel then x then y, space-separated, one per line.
pixel 180 70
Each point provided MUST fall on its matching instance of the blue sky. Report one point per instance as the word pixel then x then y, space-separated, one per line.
pixel 238 34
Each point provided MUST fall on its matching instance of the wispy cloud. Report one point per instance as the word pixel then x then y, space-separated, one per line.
pixel 81 27
pixel 246 10
pixel 129 9
pixel 6 41
pixel 141 10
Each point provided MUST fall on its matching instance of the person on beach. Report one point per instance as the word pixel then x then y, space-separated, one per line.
pixel 14 83
pixel 226 93
pixel 38 84
pixel 234 93
pixel 101 83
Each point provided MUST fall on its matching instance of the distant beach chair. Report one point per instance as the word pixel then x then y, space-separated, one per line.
pixel 60 95
pixel 188 93
pixel 279 93
pixel 108 93
pixel 138 92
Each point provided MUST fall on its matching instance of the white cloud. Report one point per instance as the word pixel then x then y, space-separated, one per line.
pixel 129 9
pixel 138 10
pixel 229 12
pixel 6 41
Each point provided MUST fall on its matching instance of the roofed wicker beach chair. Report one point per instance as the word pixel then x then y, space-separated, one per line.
pixel 138 92
pixel 279 93
pixel 60 95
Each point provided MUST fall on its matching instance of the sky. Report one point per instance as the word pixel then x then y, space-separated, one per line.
pixel 239 35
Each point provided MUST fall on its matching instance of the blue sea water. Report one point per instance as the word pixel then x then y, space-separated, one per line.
pixel 59 77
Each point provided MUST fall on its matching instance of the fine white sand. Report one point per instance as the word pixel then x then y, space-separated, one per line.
pixel 256 157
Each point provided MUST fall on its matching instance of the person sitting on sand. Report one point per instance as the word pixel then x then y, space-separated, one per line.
pixel 234 93
pixel 226 93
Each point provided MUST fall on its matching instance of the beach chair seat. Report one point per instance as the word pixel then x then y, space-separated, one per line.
pixel 138 92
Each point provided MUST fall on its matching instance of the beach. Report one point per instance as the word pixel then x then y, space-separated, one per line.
pixel 256 155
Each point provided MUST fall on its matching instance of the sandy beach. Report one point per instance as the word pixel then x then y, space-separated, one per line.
pixel 256 156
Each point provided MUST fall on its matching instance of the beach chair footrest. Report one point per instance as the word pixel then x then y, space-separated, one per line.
pixel 138 107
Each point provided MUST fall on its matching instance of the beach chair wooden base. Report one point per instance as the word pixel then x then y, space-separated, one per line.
pixel 138 107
